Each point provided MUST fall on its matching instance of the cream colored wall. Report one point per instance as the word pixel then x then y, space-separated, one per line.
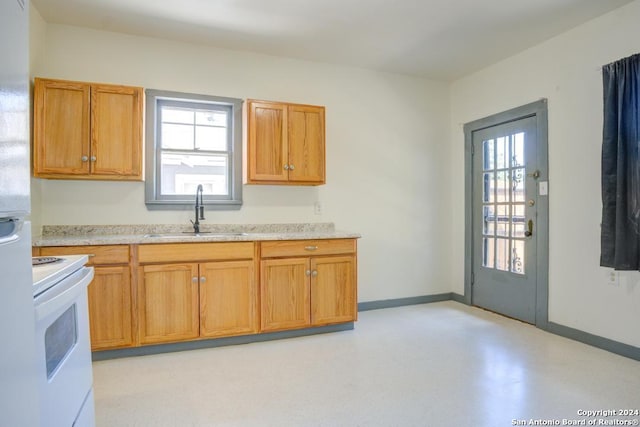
pixel 386 142
pixel 566 70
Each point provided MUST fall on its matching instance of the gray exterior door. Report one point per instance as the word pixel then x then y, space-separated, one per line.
pixel 505 210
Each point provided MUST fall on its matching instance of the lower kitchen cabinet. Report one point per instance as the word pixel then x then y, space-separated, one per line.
pixel 110 308
pixel 298 292
pixel 168 301
pixel 228 294
pixel 161 293
pixel 186 301
pixel 333 290
pixel 284 296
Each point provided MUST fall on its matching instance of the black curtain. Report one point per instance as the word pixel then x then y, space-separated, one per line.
pixel 620 233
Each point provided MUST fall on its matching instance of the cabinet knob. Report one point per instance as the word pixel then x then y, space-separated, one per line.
pixel 85 158
pixel 291 167
pixel 308 273
pixel 194 279
pixel 203 279
pixel 93 158
pixel 314 273
pixel 286 167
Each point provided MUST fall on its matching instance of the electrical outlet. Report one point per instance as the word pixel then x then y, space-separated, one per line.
pixel 613 278
pixel 317 208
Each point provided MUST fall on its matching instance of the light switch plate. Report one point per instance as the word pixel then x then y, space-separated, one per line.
pixel 543 188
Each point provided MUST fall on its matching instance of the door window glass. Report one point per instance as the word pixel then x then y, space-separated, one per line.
pixel 503 200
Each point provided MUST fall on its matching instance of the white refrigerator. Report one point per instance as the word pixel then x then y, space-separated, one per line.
pixel 19 404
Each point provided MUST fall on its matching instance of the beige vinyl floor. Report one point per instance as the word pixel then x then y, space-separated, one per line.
pixel 441 364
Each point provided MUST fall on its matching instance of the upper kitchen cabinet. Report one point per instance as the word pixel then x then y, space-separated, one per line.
pixel 285 144
pixel 87 131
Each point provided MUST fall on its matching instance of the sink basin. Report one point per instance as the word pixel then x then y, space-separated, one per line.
pixel 191 234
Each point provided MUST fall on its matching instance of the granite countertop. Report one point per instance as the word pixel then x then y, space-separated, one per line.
pixel 80 235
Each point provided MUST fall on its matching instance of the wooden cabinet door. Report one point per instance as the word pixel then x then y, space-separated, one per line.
pixel 116 131
pixel 267 148
pixel 168 301
pixel 306 144
pixel 61 128
pixel 284 294
pixel 110 308
pixel 228 299
pixel 333 290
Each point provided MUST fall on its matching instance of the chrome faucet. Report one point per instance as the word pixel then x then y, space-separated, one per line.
pixel 199 210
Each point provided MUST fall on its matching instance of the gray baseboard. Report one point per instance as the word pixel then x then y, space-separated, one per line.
pixel 616 347
pixel 458 298
pixel 216 342
pixel 399 302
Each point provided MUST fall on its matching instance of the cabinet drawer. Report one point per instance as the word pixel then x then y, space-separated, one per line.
pixel 114 254
pixel 307 247
pixel 193 252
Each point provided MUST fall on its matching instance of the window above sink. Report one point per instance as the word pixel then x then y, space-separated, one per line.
pixel 193 140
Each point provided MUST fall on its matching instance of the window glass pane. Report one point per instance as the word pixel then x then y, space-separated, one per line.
pixel 488 250
pixel 502 254
pixel 517 150
pixel 517 256
pixel 517 185
pixel 502 184
pixel 194 139
pixel 489 220
pixel 502 224
pixel 488 188
pixel 502 151
pixel 181 174
pixel 177 137
pixel 211 118
pixel 177 115
pixel 488 154
pixel 517 221
pixel 211 138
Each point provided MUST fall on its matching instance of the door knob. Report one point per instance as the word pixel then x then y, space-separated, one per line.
pixel 529 231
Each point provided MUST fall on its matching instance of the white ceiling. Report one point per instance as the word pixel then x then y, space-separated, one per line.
pixel 439 39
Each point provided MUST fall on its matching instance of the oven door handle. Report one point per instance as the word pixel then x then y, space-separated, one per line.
pixel 62 294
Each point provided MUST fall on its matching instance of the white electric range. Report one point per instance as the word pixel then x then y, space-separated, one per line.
pixel 65 378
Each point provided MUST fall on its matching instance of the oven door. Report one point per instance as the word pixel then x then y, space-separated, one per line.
pixel 62 348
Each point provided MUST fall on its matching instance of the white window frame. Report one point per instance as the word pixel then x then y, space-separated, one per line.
pixel 153 198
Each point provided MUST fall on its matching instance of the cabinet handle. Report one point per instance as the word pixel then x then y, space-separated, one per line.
pixel 310 248
pixel 308 273
pixel 314 273
pixel 203 279
pixel 286 167
pixel 91 255
pixel 194 279
pixel 84 158
pixel 291 167
pixel 93 158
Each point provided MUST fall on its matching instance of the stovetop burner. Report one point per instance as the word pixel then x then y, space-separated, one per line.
pixel 40 260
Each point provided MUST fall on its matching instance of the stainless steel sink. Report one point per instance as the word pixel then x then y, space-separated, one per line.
pixel 191 234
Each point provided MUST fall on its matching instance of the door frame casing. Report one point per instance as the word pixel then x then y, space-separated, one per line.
pixel 537 109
